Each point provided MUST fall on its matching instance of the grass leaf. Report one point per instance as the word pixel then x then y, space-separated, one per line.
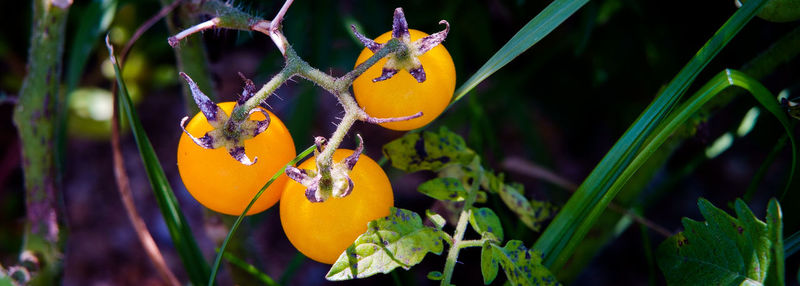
pixel 579 214
pixel 540 26
pixel 249 268
pixel 193 260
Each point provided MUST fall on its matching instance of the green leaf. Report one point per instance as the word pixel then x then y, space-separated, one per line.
pixel 250 269
pixel 522 266
pixel 94 20
pixel 776 273
pixel 398 240
pixel 435 275
pixel 428 151
pixel 182 236
pixel 540 26
pixel 444 189
pixel 578 215
pixel 489 266
pixel 437 220
pixel 484 220
pixel 723 250
pixel 531 212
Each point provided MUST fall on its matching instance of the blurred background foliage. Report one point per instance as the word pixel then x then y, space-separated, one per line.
pixel 560 105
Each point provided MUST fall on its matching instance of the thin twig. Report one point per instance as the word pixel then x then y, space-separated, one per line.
pixel 175 40
pixel 532 170
pixel 146 26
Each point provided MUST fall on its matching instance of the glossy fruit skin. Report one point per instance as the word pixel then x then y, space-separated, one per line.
pixel 322 231
pixel 221 183
pixel 402 95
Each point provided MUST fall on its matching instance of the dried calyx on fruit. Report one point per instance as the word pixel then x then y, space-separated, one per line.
pixel 320 187
pixel 405 58
pixel 228 132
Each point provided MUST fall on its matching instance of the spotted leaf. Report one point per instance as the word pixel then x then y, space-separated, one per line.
pixel 428 151
pixel 398 240
pixel 522 266
pixel 485 222
pixel 444 189
pixel 531 212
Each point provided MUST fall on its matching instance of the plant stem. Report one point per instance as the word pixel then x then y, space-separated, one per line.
pixel 33 117
pixel 461 227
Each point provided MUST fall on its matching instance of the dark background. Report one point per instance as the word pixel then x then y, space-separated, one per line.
pixel 562 104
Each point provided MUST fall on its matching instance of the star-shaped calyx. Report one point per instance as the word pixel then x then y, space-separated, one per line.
pixel 339 180
pixel 227 132
pixel 406 58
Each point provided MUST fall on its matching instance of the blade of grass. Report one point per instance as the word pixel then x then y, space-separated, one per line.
pixel 95 19
pixel 791 245
pixel 238 221
pixel 762 170
pixel 249 268
pixel 540 26
pixel 179 229
pixel 581 211
pixel 291 269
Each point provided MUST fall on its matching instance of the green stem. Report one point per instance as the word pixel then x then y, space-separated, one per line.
pixel 461 227
pixel 33 117
pixel 470 243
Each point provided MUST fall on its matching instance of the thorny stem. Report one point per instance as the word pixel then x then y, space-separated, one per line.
pixel 461 227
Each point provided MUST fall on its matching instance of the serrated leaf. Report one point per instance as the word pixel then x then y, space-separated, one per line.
pixel 775 275
pixel 444 189
pixel 428 151
pixel 437 220
pixel 489 266
pixel 484 220
pixel 723 250
pixel 521 265
pixel 435 275
pixel 531 212
pixel 398 240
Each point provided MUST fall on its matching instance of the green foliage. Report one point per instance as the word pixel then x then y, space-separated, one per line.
pixel 405 155
pixel 428 151
pixel 179 229
pixel 578 215
pixel 437 220
pixel 486 222
pixel 250 269
pixel 531 212
pixel 398 240
pixel 725 250
pixel 522 266
pixel 444 189
pixel 435 275
pixel 540 26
